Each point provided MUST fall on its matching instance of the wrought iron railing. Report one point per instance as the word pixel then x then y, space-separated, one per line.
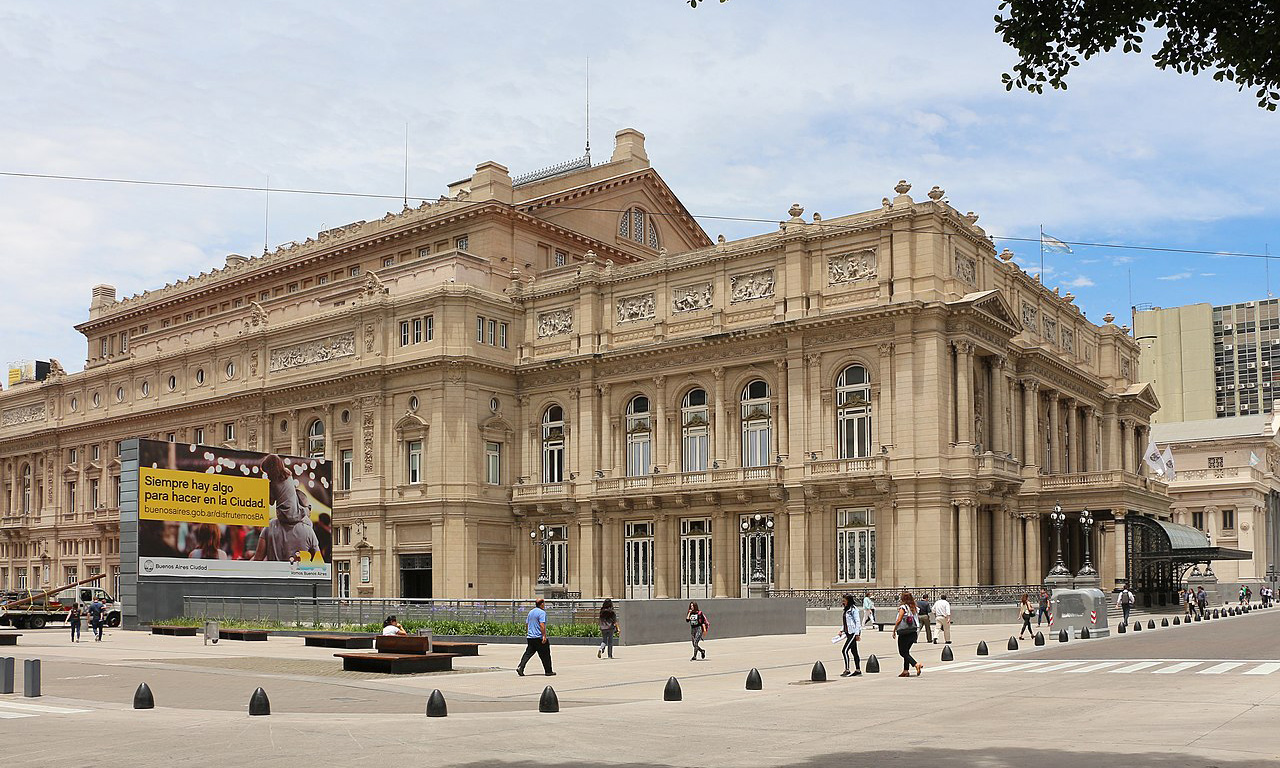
pixel 982 594
pixel 336 612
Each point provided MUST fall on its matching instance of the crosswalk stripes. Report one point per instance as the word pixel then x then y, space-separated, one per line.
pixel 1129 667
pixel 10 710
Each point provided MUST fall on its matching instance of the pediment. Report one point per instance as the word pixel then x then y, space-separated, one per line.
pixel 992 305
pixel 411 422
pixel 496 423
pixel 1143 393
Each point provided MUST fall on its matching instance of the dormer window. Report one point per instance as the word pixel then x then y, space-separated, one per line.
pixel 639 226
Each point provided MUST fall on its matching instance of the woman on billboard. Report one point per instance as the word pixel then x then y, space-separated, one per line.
pixel 290 531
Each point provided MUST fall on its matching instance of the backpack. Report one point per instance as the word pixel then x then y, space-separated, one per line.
pixel 1126 598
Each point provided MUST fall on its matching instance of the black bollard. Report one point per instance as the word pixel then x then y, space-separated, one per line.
pixel 31 678
pixel 6 674
pixel 549 702
pixel 982 647
pixel 142 698
pixel 818 674
pixel 754 683
pixel 1013 643
pixel 672 691
pixel 1151 623
pixel 873 664
pixel 1199 617
pixel 1063 636
pixel 259 704
pixel 947 655
pixel 1178 622
pixel 436 706
pixel 1137 626
pixel 1085 634
pixel 1121 628
pixel 1039 638
pixel 1165 621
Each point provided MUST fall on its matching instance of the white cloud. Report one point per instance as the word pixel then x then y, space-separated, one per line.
pixel 1080 282
pixel 1208 274
pixel 1177 276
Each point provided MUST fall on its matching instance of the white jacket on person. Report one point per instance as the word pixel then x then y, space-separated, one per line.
pixel 852 621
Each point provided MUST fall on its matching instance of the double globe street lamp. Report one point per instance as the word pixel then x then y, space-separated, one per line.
pixel 1058 518
pixel 758 528
pixel 543 536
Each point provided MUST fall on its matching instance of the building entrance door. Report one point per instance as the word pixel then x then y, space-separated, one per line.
pixel 756 551
pixel 695 559
pixel 415 576
pixel 638 560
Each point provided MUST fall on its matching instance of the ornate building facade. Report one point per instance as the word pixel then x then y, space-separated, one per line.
pixel 562 376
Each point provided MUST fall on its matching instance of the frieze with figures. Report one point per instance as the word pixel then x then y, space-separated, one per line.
pixel 966 269
pixel 691 298
pixel 558 322
pixel 635 308
pixel 851 268
pixel 1030 317
pixel 22 415
pixel 750 286
pixel 312 352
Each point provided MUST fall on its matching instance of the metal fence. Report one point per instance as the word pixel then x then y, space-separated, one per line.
pixel 335 612
pixel 984 594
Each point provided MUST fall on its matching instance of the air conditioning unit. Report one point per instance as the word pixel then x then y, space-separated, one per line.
pixel 1266 363
pixel 1275 342
pixel 1222 408
pixel 1219 387
pixel 1253 365
pixel 1218 368
pixel 1227 347
pixel 1227 327
pixel 1250 303
pixel 1231 386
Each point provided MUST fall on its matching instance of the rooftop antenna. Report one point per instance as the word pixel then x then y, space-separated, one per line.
pixel 266 216
pixel 588 77
pixel 1267 250
pixel 406 165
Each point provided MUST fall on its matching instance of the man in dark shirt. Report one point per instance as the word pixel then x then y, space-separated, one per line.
pixel 96 610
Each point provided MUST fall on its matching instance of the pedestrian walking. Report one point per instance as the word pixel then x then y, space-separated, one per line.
pixel 608 628
pixel 851 631
pixel 1025 612
pixel 942 609
pixel 536 639
pixel 96 611
pixel 74 618
pixel 1042 609
pixel 926 618
pixel 906 629
pixel 1191 601
pixel 1124 601
pixel 699 627
pixel 868 610
pixel 1202 601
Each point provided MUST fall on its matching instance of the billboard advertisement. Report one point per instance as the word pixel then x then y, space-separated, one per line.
pixel 216 512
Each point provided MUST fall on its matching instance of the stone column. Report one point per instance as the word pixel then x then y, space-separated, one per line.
pixel 293 433
pixel 1035 568
pixel 782 547
pixel 588 566
pixel 1090 461
pixel 1125 442
pixel 1211 524
pixel 964 393
pixel 1119 544
pixel 1000 544
pixel 999 406
pixel 1055 433
pixel 1030 426
pixel 658 437
pixel 882 417
pixel 329 432
pixel 719 420
pixel 665 544
pixel 781 408
pixel 967 567
pixel 722 528
pixel 611 557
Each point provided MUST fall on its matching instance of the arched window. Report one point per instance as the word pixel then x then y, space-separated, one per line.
pixel 553 445
pixel 695 431
pixel 853 412
pixel 757 424
pixel 315 439
pixel 639 226
pixel 26 489
pixel 639 437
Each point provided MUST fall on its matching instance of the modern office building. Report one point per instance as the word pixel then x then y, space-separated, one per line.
pixel 563 376
pixel 1210 362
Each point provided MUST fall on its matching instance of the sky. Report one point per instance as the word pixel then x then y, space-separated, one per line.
pixel 748 107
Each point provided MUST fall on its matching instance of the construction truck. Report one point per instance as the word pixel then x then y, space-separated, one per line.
pixel 28 609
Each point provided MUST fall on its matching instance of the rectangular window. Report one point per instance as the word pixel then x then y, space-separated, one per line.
pixel 94 500
pixel 1215 462
pixel 1228 519
pixel 229 431
pixel 1197 520
pixel 264 295
pixel 116 445
pixel 417 330
pixel 104 346
pixel 293 287
pixel 354 271
pixel 413 451
pixel 502 335
pixel 96 451
pixel 493 332
pixel 561 258
pixel 72 455
pixel 404 333
pixel 430 322
pixel 347 465
pixel 70 574
pixel 115 579
pixel 342 578
pixel 322 280
pixel 71 497
pixel 424 251
pixel 480 330
pixel 461 243
pixel 22 578
pixel 493 463
pixel 855 545
pixel 390 261
pixel 115 491
pixel 124 342
pixel 172 437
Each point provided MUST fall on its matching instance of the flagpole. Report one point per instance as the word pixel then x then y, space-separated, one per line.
pixel 1040 276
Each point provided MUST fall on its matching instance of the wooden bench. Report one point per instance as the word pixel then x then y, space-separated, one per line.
pixel 403 643
pixel 9 638
pixel 396 663
pixel 339 641
pixel 456 648
pixel 259 635
pixel 166 629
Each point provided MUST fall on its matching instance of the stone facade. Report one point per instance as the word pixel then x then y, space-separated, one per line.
pixel 877 384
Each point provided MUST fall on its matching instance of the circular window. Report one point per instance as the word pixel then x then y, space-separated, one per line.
pixel 413 403
pixel 173 383
pixel 97 399
pixel 346 417
pixel 494 404
pixel 146 388
pixel 119 394
pixel 284 425
pixel 199 376
pixel 231 371
pixel 74 403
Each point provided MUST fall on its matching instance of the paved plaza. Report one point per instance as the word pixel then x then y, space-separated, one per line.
pixel 1205 694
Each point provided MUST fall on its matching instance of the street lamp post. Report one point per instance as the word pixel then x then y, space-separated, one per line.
pixel 1057 518
pixel 1086 522
pixel 758 528
pixel 543 536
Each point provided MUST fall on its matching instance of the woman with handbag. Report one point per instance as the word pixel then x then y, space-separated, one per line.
pixel 698 629
pixel 608 628
pixel 1026 612
pixel 906 629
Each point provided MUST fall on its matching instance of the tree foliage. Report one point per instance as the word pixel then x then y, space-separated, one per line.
pixel 1237 40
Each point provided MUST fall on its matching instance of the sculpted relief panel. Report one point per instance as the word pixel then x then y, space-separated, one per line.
pixel 690 298
pixel 749 286
pixel 966 269
pixel 557 322
pixel 634 308
pixel 22 415
pixel 1051 330
pixel 311 352
pixel 851 268
pixel 1030 317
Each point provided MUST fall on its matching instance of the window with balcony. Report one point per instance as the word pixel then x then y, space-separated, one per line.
pixel 553 445
pixel 853 412
pixel 757 424
pixel 695 431
pixel 639 437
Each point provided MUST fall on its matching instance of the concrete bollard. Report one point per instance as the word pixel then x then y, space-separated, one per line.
pixel 1137 626
pixel 672 692
pixel 259 704
pixel 754 683
pixel 1121 628
pixel 1165 621
pixel 549 702
pixel 1217 613
pixel 31 678
pixel 873 664
pixel 817 675
pixel 142 698
pixel 1013 643
pixel 1039 638
pixel 982 648
pixel 6 674
pixel 436 706
pixel 1151 623
pixel 1085 635
pixel 947 655
pixel 1199 617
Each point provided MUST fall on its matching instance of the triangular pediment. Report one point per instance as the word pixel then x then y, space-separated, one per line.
pixel 993 305
pixel 1143 393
